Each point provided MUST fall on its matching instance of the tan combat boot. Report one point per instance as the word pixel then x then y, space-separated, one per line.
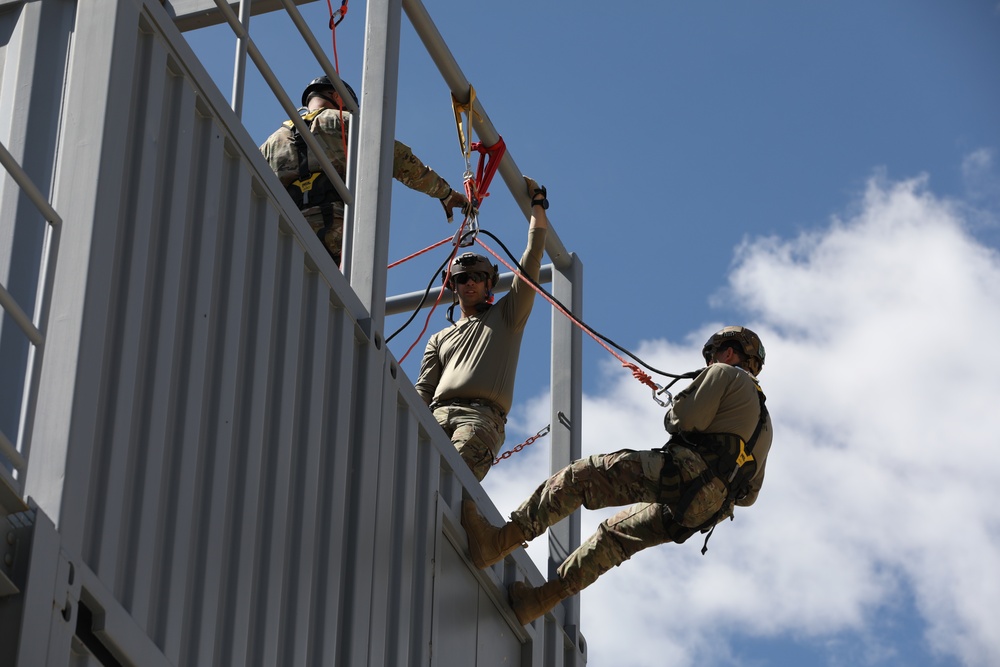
pixel 487 543
pixel 529 603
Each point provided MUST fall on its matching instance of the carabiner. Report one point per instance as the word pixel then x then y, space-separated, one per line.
pixel 670 398
pixel 338 15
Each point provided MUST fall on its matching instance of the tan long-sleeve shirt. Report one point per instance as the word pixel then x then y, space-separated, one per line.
pixel 723 399
pixel 476 358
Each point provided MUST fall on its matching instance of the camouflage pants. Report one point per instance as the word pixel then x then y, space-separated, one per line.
pixel 477 433
pixel 654 480
pixel 334 239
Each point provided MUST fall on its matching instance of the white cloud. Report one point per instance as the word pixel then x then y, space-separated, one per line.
pixel 979 174
pixel 882 491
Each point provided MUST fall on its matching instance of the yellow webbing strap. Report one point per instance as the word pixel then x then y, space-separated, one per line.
pixel 305 185
pixel 743 457
pixel 306 117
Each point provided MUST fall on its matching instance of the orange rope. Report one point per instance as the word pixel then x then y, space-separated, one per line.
pixel 447 274
pixel 426 323
pixel 336 66
pixel 420 252
pixel 637 373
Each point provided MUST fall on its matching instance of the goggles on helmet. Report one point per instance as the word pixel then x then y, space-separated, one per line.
pixel 470 263
pixel 463 278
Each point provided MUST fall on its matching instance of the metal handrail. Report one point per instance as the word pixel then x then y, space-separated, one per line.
pixel 20 317
pixel 402 303
pixel 32 327
pixel 28 186
pixel 286 103
pixel 9 451
pixel 459 85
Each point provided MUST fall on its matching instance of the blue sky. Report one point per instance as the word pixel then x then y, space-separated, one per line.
pixel 826 173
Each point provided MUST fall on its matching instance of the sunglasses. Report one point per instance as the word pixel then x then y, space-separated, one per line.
pixel 463 278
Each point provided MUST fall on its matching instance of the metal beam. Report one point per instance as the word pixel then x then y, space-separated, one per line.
pixel 194 14
pixel 481 123
pixel 289 106
pixel 402 303
pixel 366 240
pixel 29 187
pixel 567 417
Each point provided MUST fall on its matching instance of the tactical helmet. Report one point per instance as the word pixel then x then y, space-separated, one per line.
pixel 323 83
pixel 748 342
pixel 470 262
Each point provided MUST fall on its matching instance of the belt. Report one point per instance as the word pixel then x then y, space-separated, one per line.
pixel 469 402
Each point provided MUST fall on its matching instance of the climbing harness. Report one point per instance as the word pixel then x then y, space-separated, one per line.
pixel 727 458
pixel 311 189
pixel 314 189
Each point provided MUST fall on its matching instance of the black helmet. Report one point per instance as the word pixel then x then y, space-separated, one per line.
pixel 323 83
pixel 747 341
pixel 470 262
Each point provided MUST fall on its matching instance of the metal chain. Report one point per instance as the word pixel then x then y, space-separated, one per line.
pixel 541 434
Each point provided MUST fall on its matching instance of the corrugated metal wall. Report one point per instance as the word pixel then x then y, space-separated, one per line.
pixel 237 473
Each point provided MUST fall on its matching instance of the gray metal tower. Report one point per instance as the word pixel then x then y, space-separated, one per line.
pixel 208 456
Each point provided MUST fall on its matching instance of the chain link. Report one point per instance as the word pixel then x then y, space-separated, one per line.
pixel 541 434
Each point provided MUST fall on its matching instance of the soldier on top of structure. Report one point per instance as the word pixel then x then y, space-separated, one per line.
pixel 300 172
pixel 715 458
pixel 467 371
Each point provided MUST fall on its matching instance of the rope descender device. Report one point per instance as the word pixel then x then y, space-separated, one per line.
pixel 467 233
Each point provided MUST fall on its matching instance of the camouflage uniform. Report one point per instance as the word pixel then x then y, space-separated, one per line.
pixel 657 480
pixel 476 431
pixel 280 152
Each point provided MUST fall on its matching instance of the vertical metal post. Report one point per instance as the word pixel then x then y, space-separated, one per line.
pixel 366 255
pixel 240 68
pixel 567 402
pixel 367 250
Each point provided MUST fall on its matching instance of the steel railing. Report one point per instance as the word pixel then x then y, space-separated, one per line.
pixel 15 453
